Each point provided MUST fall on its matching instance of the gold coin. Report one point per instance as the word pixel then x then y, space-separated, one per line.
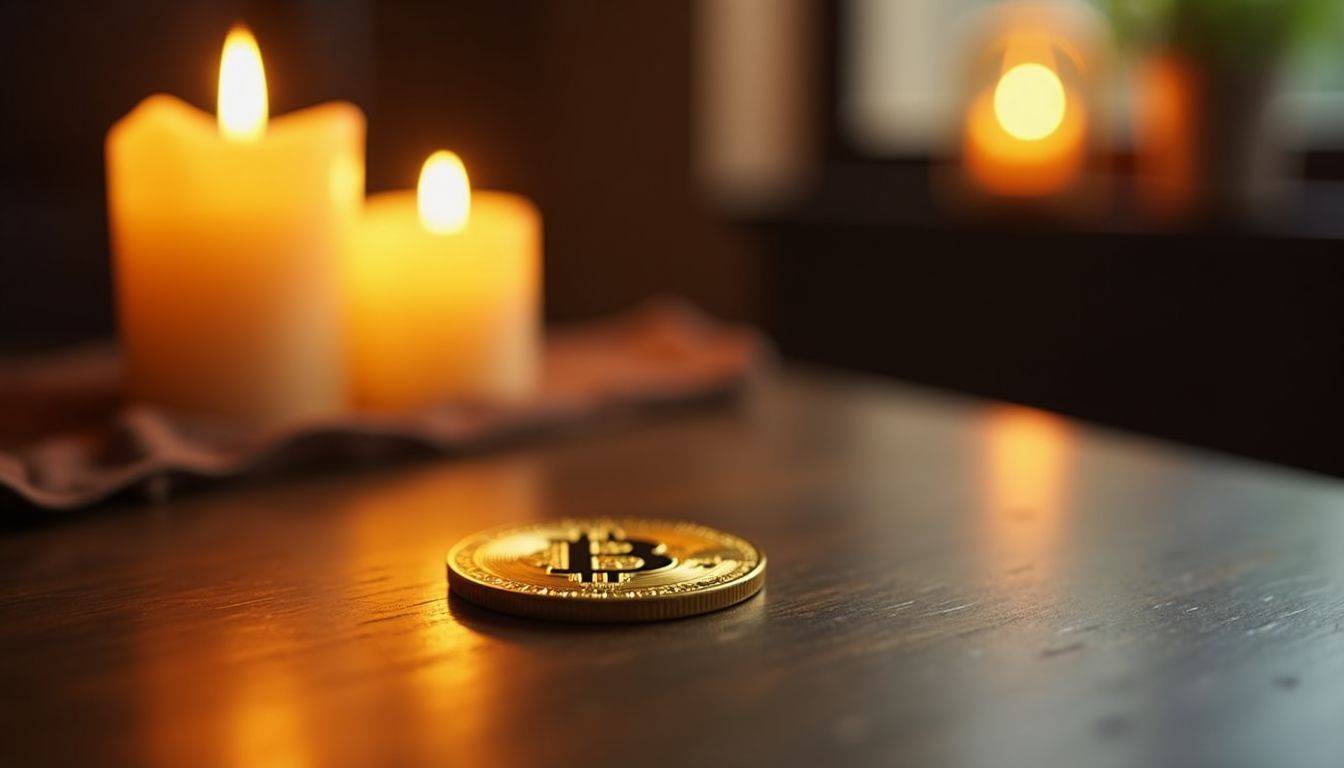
pixel 605 570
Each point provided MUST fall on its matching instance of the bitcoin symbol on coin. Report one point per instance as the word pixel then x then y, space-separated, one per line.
pixel 608 557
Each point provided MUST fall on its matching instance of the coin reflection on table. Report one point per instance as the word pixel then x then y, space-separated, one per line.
pixel 605 570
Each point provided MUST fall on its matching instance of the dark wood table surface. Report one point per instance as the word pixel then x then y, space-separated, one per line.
pixel 951 582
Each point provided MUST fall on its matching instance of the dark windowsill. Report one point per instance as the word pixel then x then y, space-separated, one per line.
pixel 1231 338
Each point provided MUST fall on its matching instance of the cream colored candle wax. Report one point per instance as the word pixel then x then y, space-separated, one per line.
pixel 227 239
pixel 444 291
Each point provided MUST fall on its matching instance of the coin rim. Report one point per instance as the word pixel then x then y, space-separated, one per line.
pixel 602 610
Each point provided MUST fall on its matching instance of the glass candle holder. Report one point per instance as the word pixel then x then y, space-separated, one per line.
pixel 1032 123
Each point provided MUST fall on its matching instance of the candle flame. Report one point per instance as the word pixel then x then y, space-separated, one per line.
pixel 242 87
pixel 444 194
pixel 1029 102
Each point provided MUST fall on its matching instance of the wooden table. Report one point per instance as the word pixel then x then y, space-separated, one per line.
pixel 951 582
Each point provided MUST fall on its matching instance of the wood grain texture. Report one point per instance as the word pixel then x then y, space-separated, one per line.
pixel 951 583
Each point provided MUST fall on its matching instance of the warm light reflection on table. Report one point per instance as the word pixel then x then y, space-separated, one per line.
pixel 1028 468
pixel 265 656
pixel 433 701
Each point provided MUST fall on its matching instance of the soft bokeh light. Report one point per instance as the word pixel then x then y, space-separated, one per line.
pixel 444 194
pixel 1029 102
pixel 242 87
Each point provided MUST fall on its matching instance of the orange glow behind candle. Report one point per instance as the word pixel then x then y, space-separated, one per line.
pixel 1026 135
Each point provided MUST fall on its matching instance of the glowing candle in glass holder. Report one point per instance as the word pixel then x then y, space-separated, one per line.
pixel 1029 129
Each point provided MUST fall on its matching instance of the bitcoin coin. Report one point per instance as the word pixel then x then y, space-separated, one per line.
pixel 605 570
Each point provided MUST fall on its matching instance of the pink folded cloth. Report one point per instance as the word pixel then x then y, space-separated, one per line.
pixel 67 440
